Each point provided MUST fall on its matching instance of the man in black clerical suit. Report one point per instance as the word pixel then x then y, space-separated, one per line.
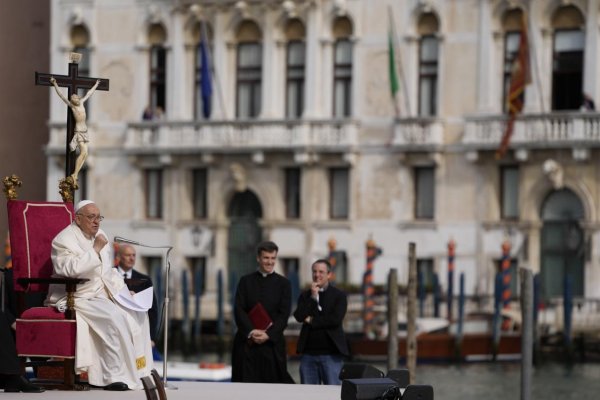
pixel 322 341
pixel 136 282
pixel 259 355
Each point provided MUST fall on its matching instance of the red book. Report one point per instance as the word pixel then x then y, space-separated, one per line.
pixel 259 317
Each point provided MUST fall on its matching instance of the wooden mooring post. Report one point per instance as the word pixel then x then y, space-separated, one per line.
pixel 526 332
pixel 392 319
pixel 411 314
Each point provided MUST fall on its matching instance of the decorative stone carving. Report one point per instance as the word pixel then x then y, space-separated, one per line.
pixel 76 17
pixel 153 16
pixel 238 174
pixel 289 9
pixel 554 172
pixel 339 8
pixel 241 8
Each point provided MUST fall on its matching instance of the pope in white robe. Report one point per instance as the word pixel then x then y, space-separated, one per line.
pixel 113 342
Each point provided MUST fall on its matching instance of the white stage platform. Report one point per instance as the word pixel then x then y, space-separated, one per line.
pixel 199 390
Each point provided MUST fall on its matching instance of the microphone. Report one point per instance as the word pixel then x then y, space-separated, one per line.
pixel 120 239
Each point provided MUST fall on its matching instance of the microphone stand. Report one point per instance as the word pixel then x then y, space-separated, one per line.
pixel 165 303
pixel 166 321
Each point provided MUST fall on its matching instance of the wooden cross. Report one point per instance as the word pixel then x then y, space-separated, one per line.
pixel 73 82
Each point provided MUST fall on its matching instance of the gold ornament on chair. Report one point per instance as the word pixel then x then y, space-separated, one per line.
pixel 11 183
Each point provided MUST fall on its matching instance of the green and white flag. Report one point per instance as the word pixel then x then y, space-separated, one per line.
pixel 394 86
pixel 393 68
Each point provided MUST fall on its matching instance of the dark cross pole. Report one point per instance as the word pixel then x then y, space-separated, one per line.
pixel 73 82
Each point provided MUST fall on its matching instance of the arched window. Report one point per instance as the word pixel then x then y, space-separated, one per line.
pixel 428 27
pixel 157 37
pixel 249 70
pixel 342 69
pixel 567 65
pixel 511 24
pixel 562 205
pixel 562 244
pixel 295 66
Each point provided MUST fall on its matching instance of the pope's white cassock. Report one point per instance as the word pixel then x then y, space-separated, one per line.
pixel 113 342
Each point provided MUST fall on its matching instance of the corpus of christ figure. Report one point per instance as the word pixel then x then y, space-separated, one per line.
pixel 77 131
pixel 80 137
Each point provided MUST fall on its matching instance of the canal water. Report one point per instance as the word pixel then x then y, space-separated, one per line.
pixel 502 380
pixel 489 380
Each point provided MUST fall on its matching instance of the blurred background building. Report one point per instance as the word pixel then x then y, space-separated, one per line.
pixel 298 139
pixel 24 108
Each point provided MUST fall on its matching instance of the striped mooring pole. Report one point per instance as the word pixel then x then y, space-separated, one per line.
pixel 368 289
pixel 506 278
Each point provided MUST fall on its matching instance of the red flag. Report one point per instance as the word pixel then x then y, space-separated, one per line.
pixel 519 78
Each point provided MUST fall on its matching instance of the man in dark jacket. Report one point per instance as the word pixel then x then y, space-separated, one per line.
pixel 322 342
pixel 136 282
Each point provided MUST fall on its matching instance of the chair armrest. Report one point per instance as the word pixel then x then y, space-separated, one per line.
pixel 57 281
pixel 71 287
pixel 70 283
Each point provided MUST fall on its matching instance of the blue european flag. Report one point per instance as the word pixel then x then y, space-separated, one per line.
pixel 206 82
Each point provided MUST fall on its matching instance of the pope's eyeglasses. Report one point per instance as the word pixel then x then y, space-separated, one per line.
pixel 92 217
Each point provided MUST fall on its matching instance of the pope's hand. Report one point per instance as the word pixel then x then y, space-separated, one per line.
pixel 99 242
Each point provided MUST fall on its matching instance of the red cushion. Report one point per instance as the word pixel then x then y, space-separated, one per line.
pixel 43 313
pixel 46 338
pixel 33 226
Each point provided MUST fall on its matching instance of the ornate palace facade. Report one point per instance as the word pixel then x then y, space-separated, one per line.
pixel 301 141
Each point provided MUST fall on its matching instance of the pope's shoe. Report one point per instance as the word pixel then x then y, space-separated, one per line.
pixel 117 387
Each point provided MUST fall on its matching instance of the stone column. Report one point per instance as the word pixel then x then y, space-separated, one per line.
pixel 270 69
pixel 312 79
pixel 222 106
pixel 412 74
pixel 325 96
pixel 590 78
pixel 176 90
pixel 539 92
pixel 485 61
pixel 279 95
pixel 357 87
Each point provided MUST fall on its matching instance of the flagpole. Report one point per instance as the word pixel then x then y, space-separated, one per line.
pixel 214 70
pixel 520 77
pixel 400 69
pixel 393 76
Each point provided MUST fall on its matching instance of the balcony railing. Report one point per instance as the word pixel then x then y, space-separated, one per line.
pixel 235 135
pixel 556 129
pixel 418 133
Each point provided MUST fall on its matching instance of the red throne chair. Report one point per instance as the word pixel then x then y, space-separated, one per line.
pixel 44 335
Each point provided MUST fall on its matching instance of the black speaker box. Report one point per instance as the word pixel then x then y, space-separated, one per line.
pixel 401 376
pixel 366 388
pixel 418 392
pixel 358 370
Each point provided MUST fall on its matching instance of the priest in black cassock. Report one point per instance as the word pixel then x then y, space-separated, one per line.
pixel 258 355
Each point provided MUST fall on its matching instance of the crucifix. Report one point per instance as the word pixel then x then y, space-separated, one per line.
pixel 77 135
